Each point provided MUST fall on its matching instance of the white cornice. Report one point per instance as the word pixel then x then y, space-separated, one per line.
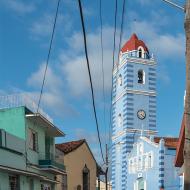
pixel 149 141
pixel 132 131
pixel 146 93
pixel 123 61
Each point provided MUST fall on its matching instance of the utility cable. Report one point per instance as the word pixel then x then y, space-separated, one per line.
pixel 48 56
pixel 121 29
pixel 113 63
pixel 89 73
pixel 46 67
pixel 102 63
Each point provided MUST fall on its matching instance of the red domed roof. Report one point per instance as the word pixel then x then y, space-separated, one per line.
pixel 133 43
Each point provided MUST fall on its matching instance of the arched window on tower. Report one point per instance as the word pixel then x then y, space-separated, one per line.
pixel 140 52
pixel 141 77
pixel 120 120
pixel 119 80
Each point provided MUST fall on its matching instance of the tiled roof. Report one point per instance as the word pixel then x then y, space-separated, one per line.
pixel 70 146
pixel 133 43
pixel 170 142
pixel 179 159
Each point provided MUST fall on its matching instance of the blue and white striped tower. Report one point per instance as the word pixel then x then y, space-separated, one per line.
pixel 161 164
pixel 134 104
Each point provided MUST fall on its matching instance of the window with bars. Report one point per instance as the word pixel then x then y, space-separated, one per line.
pixel 45 187
pixel 33 140
pixel 13 182
pixel 64 182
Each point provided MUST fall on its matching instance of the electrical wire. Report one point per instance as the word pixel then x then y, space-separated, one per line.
pixel 102 63
pixel 121 29
pixel 45 71
pixel 48 56
pixel 90 78
pixel 113 63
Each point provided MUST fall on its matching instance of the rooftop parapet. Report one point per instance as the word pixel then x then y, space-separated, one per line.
pixel 22 99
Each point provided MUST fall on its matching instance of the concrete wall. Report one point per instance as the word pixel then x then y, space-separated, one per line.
pixel 172 179
pixel 75 162
pixel 24 182
pixel 34 156
pixel 13 121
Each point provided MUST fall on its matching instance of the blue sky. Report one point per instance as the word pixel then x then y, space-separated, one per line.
pixel 24 38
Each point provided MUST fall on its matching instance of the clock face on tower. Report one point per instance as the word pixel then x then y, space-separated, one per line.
pixel 141 114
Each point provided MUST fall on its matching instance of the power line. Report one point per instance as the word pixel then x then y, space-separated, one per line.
pixel 174 4
pixel 102 63
pixel 113 63
pixel 89 73
pixel 48 56
pixel 121 29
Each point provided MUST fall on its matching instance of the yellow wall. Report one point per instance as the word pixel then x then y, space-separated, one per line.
pixel 103 185
pixel 75 162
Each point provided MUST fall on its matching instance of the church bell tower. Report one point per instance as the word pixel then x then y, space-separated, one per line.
pixel 133 106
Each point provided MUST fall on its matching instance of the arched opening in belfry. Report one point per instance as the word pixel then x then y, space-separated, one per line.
pixel 141 76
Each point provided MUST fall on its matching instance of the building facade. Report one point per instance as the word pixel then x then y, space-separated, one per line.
pixel 27 151
pixel 102 185
pixel 81 166
pixel 151 164
pixel 133 106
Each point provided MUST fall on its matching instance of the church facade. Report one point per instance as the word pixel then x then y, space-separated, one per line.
pixel 151 164
pixel 133 106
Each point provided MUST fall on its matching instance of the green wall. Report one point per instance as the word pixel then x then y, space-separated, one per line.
pixel 13 121
pixel 34 156
pixel 11 159
pixel 24 182
pixel 4 181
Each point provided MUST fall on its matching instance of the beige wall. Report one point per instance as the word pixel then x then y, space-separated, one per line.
pixel 103 185
pixel 75 162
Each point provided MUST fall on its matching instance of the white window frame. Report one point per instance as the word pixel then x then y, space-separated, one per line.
pixel 142 52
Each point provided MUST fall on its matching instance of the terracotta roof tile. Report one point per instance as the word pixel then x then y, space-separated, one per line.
pixel 70 146
pixel 133 43
pixel 170 142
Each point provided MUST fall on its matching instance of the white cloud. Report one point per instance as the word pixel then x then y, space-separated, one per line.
pixel 92 140
pixel 44 25
pixel 53 98
pixel 75 68
pixel 52 83
pixel 144 2
pixel 70 75
pixel 162 44
pixel 19 6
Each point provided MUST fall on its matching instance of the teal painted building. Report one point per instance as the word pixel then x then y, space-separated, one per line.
pixel 27 151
